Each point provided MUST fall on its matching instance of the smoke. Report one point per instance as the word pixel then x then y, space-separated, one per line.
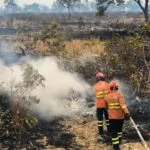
pixel 128 92
pixel 9 56
pixel 60 86
pixel 64 93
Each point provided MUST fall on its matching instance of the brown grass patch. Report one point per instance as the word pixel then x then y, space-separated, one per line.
pixel 74 47
pixel 94 46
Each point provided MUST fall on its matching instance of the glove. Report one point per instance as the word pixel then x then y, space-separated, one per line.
pixel 127 116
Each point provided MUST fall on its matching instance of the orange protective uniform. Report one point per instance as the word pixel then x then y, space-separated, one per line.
pixel 116 105
pixel 101 88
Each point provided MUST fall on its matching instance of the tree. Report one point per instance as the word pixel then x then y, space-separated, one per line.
pixel 67 4
pixel 16 117
pixel 11 5
pixel 144 8
pixel 102 6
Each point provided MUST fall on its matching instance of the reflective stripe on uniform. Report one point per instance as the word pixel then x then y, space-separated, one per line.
pixel 119 134
pixel 101 94
pixel 114 143
pixel 107 122
pixel 100 123
pixel 114 106
pixel 115 139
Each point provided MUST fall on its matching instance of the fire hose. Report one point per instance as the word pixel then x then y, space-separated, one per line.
pixel 140 135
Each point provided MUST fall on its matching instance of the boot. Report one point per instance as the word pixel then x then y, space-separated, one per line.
pixel 116 147
pixel 100 129
pixel 101 138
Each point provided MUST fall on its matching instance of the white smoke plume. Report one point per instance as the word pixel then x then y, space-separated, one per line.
pixel 58 97
pixel 58 86
pixel 127 91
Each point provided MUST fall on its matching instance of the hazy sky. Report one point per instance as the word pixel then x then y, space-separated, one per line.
pixel 44 2
pixel 25 2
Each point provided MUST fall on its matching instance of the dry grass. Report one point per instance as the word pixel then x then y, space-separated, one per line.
pixel 41 47
pixel 71 48
pixel 75 47
pixel 94 46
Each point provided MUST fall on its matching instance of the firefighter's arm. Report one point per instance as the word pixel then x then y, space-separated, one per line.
pixel 108 87
pixel 123 105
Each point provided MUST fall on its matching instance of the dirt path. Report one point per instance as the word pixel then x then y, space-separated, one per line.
pixel 78 133
pixel 86 136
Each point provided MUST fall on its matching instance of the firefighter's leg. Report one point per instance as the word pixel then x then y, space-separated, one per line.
pixel 114 134
pixel 100 120
pixel 120 130
pixel 115 141
pixel 106 118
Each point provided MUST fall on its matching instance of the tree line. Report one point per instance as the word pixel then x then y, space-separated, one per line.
pixel 102 5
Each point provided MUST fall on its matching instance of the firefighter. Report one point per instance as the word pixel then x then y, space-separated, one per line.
pixel 101 88
pixel 117 111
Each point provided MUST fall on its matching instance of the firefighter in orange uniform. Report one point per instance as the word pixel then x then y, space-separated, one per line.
pixel 101 88
pixel 117 111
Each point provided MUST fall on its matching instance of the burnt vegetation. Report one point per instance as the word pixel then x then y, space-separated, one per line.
pixel 85 44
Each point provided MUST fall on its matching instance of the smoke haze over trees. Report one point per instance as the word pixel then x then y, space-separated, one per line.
pixel 103 5
pixel 75 6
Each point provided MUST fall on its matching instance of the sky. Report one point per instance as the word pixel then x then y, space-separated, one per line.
pixel 25 2
pixel 44 2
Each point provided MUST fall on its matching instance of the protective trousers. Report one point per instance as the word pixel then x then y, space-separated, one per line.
pixel 116 132
pixel 99 113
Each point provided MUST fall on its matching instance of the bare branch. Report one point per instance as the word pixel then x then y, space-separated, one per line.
pixel 139 3
pixel 146 4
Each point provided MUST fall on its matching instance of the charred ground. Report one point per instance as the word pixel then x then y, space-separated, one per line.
pixel 83 46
